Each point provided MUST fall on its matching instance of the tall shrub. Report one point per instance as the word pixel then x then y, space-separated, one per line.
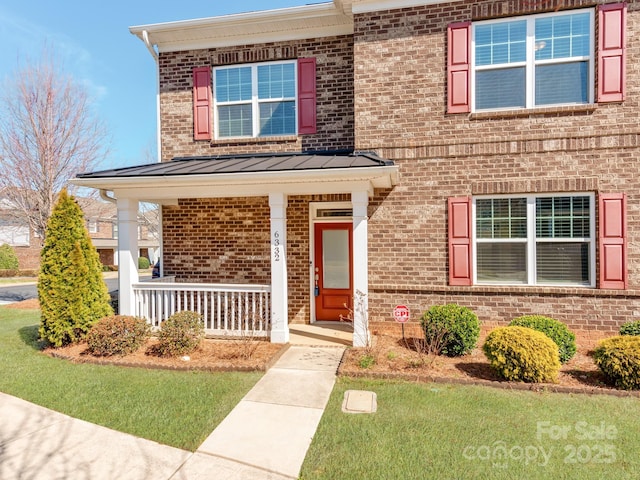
pixel 71 291
pixel 8 258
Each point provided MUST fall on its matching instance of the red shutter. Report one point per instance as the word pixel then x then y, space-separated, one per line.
pixel 459 67
pixel 306 95
pixel 611 52
pixel 460 241
pixel 202 103
pixel 612 213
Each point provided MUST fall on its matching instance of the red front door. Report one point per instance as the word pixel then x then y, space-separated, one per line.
pixel 333 271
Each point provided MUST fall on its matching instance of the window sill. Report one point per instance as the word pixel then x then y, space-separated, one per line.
pixel 555 111
pixel 254 140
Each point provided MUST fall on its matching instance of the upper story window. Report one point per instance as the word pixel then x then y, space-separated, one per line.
pixel 537 60
pixel 92 226
pixel 533 61
pixel 255 100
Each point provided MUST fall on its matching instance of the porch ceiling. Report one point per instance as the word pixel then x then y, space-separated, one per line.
pixel 246 175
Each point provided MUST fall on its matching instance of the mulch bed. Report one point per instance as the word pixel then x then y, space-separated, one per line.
pixel 398 358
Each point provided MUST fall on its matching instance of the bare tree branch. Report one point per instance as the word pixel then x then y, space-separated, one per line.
pixel 48 134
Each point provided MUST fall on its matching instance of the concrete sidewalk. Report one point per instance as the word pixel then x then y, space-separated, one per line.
pixel 266 436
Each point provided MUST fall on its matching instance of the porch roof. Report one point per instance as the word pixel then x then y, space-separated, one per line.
pixel 247 175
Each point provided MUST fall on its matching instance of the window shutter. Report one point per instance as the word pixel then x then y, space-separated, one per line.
pixel 460 241
pixel 459 67
pixel 613 240
pixel 202 103
pixel 611 52
pixel 306 95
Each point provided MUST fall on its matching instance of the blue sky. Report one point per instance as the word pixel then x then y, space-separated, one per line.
pixel 95 46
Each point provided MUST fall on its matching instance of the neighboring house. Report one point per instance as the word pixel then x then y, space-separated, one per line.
pixel 398 152
pixel 102 225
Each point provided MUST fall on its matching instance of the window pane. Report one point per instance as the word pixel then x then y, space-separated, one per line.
pixel 501 88
pixel 276 81
pixel 562 83
pixel 501 218
pixel 500 43
pixel 277 118
pixel 235 121
pixel 502 263
pixel 335 259
pixel 562 36
pixel 562 217
pixel 566 263
pixel 233 84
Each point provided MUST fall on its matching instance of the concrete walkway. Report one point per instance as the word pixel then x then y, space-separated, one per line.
pixel 266 436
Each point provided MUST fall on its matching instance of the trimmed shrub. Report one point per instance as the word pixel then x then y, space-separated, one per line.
pixel 118 335
pixel 71 291
pixel 522 354
pixel 618 358
pixel 143 263
pixel 552 328
pixel 180 334
pixel 8 258
pixel 450 329
pixel 630 328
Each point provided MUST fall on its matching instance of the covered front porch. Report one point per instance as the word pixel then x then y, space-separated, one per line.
pixel 256 297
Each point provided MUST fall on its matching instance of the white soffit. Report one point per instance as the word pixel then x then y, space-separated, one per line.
pixel 366 6
pixel 295 23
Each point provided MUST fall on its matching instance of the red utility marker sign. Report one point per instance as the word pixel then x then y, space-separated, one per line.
pixel 401 314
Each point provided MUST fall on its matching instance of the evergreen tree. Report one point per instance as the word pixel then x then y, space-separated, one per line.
pixel 72 294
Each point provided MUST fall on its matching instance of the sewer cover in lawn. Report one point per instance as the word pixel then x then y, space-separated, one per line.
pixel 359 401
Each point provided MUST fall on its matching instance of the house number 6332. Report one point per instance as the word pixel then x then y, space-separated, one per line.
pixel 276 246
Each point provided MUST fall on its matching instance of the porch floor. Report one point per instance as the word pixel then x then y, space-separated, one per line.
pixel 321 335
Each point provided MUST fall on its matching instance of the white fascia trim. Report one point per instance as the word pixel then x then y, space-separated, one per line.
pixel 251 184
pixel 281 21
pixel 367 6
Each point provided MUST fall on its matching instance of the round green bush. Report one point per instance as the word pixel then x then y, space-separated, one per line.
pixel 522 354
pixel 450 329
pixel 180 334
pixel 8 258
pixel 118 335
pixel 143 263
pixel 630 328
pixel 552 328
pixel 618 358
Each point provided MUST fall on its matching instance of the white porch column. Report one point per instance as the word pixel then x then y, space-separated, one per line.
pixel 279 290
pixel 360 201
pixel 127 253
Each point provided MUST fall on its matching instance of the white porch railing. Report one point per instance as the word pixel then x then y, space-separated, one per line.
pixel 225 309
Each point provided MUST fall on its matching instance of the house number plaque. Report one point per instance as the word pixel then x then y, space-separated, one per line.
pixel 276 246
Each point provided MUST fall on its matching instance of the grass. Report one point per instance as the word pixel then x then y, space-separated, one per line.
pixel 17 280
pixel 467 432
pixel 174 408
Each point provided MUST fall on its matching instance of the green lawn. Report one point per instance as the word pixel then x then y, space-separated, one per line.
pixel 174 408
pixel 463 432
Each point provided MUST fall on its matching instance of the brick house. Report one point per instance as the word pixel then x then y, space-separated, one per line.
pixel 398 152
pixel 102 225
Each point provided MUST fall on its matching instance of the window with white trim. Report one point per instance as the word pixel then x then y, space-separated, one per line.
pixel 255 100
pixel 535 240
pixel 92 226
pixel 533 61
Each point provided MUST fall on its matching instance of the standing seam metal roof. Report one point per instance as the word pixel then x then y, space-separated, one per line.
pixel 254 163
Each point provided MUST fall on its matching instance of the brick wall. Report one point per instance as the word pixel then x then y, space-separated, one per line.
pixel 334 58
pixel 400 103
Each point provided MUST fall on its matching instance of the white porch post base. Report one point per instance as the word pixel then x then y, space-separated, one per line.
pixel 127 253
pixel 279 291
pixel 361 335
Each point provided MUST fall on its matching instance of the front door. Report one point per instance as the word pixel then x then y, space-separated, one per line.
pixel 333 273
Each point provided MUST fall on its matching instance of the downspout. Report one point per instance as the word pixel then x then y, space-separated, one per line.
pixel 154 54
pixel 106 197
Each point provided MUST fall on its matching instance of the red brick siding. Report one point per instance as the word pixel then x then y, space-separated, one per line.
pixel 335 120
pixel 593 148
